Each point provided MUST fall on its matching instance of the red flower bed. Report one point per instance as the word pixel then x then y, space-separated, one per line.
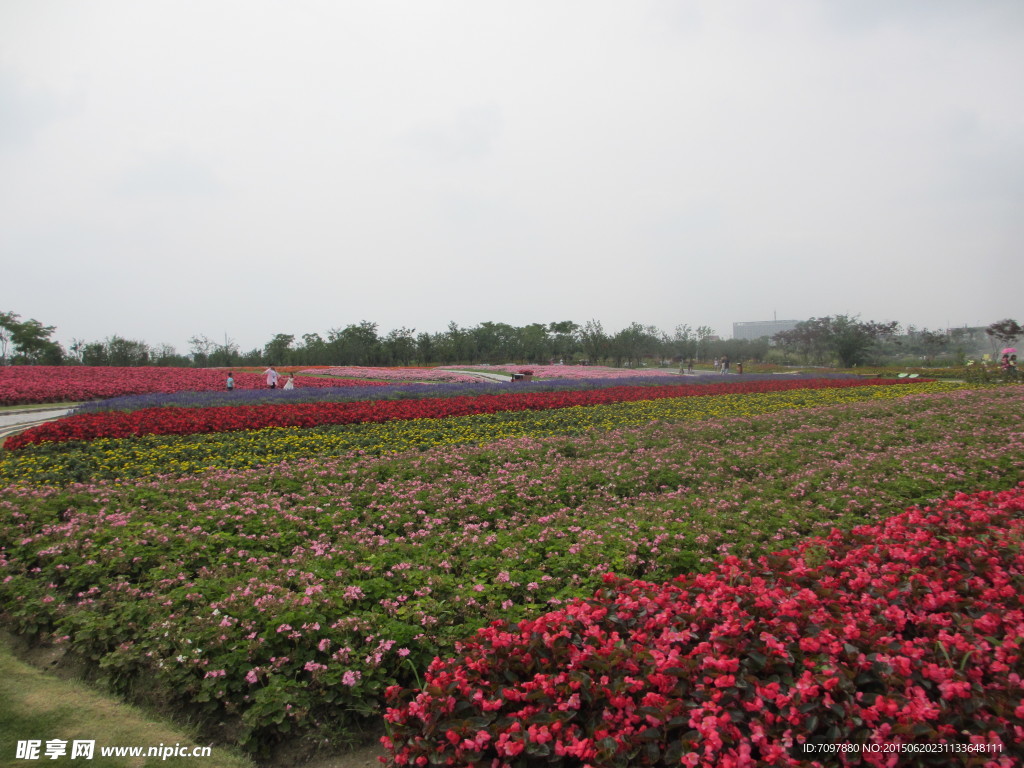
pixel 20 385
pixel 898 644
pixel 184 421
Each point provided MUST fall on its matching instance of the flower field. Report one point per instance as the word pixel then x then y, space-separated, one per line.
pixel 139 456
pixel 28 384
pixel 377 390
pixel 196 420
pixel 276 583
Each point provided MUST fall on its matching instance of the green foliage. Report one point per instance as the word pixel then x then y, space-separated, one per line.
pixel 28 342
pixel 1005 331
pixel 841 338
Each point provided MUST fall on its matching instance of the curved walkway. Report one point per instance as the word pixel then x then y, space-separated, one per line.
pixel 505 377
pixel 12 422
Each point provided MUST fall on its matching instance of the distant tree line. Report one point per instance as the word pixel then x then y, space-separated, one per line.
pixel 489 342
pixel 851 342
pixel 840 339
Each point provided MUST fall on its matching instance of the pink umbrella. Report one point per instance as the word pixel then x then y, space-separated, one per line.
pixel 1009 351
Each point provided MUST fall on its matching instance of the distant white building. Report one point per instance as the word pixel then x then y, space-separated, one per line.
pixel 758 328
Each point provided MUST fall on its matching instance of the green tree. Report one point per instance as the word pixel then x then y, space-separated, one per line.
pixel 852 340
pixel 808 340
pixel 635 342
pixel 488 342
pixel 535 343
pixel 355 344
pixel 456 345
pixel 683 344
pixel 741 350
pixel 167 355
pixel 932 343
pixel 224 355
pixel 32 344
pixel 202 348
pixel 703 336
pixel 564 339
pixel 94 353
pixel 596 344
pixel 842 338
pixel 1004 333
pixel 278 351
pixel 399 346
pixel 313 350
pixel 126 352
pixel 426 348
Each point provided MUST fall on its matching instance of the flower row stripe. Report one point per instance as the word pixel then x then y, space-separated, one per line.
pixel 137 456
pixel 177 421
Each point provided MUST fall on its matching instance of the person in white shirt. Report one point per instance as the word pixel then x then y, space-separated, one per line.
pixel 290 382
pixel 271 374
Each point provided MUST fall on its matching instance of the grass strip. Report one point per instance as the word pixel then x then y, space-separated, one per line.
pixel 35 705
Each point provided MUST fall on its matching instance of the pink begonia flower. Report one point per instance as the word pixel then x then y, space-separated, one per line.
pixel 478 742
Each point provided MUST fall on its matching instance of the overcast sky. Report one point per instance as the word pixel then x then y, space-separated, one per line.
pixel 250 168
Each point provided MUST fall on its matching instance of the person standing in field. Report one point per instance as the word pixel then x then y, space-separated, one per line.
pixel 231 382
pixel 290 383
pixel 725 364
pixel 271 374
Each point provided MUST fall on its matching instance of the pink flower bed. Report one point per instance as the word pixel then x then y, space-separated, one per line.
pixel 896 644
pixel 392 374
pixel 25 384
